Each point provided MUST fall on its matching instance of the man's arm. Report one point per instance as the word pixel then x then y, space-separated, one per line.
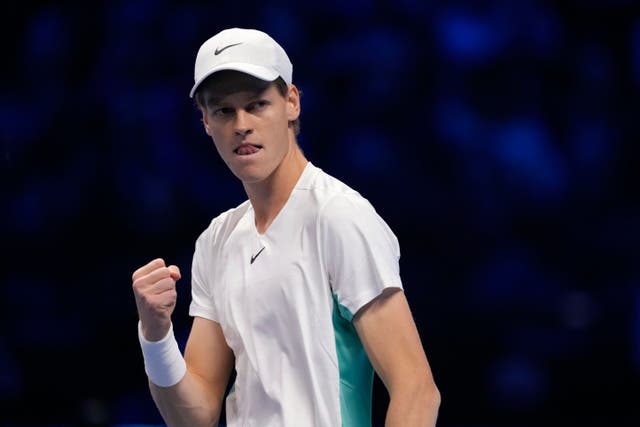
pixel 389 335
pixel 191 396
pixel 197 399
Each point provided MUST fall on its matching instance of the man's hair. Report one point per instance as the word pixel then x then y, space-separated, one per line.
pixel 223 83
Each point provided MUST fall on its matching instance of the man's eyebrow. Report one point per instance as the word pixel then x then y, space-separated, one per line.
pixel 213 100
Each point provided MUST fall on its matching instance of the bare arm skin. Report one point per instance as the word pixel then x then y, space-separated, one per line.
pixel 389 335
pixel 197 399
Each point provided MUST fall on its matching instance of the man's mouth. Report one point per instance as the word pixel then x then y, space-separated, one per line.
pixel 247 149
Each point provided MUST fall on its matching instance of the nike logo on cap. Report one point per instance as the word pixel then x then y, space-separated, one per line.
pixel 253 257
pixel 219 51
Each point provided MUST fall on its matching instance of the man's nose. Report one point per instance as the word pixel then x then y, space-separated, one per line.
pixel 242 125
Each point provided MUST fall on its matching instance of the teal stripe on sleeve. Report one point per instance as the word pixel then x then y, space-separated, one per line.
pixel 356 372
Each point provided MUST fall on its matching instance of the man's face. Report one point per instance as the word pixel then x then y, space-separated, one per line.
pixel 251 130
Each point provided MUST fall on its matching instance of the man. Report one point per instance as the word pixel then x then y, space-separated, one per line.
pixel 298 288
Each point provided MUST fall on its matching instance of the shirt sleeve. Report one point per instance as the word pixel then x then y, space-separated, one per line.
pixel 360 252
pixel 202 303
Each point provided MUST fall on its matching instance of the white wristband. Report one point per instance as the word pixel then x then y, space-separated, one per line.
pixel 163 361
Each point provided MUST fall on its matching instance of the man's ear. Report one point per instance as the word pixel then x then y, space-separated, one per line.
pixel 205 121
pixel 293 103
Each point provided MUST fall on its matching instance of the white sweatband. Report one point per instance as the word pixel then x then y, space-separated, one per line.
pixel 163 361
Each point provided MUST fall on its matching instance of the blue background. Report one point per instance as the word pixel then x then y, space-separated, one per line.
pixel 499 140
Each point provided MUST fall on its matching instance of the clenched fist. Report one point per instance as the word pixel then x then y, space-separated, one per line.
pixel 154 287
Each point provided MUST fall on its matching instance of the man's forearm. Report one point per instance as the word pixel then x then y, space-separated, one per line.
pixel 414 407
pixel 187 403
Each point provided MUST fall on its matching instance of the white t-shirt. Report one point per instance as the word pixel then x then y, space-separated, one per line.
pixel 285 300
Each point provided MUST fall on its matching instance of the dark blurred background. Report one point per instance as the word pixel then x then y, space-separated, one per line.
pixel 497 138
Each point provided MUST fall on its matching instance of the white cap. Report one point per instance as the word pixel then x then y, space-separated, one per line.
pixel 249 51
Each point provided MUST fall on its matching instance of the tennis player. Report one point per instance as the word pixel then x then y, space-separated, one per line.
pixel 297 289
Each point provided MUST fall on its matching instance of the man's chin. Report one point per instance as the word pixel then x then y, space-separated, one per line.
pixel 249 177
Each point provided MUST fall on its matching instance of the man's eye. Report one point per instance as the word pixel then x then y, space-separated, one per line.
pixel 258 105
pixel 222 112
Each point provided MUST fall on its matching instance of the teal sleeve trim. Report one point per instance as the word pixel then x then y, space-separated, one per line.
pixel 356 372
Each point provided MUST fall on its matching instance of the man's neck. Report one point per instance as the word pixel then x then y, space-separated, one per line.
pixel 269 196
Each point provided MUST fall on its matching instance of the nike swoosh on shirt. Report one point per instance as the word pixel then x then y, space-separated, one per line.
pixel 219 51
pixel 253 257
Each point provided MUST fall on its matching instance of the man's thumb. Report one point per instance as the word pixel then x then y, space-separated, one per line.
pixel 174 271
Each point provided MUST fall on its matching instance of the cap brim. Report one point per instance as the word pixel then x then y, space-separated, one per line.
pixel 256 71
